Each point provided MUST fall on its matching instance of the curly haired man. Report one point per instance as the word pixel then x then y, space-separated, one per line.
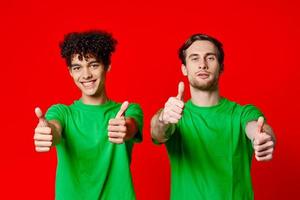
pixel 94 136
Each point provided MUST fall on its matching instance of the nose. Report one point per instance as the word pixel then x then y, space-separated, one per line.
pixel 202 64
pixel 86 73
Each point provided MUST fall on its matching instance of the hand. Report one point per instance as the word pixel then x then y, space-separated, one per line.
pixel 42 133
pixel 263 143
pixel 117 129
pixel 172 111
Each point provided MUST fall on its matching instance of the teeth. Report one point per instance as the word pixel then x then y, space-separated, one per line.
pixel 87 84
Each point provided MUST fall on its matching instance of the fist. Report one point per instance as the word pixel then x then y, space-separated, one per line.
pixel 42 133
pixel 117 129
pixel 263 143
pixel 172 111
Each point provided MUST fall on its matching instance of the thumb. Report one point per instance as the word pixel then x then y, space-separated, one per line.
pixel 260 124
pixel 180 91
pixel 40 116
pixel 123 109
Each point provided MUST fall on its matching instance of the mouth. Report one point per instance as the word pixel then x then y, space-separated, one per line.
pixel 203 75
pixel 88 84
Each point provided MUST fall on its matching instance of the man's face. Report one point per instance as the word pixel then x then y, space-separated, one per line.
pixel 202 67
pixel 88 74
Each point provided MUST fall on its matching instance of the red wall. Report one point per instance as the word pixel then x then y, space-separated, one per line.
pixel 261 42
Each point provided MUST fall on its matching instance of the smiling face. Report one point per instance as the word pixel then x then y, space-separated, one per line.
pixel 202 67
pixel 89 75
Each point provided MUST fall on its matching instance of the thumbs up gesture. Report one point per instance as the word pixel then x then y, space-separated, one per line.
pixel 42 133
pixel 172 111
pixel 263 143
pixel 117 129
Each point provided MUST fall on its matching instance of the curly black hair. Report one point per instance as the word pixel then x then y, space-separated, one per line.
pixel 97 43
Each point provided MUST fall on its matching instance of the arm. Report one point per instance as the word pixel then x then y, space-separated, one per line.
pixel 132 128
pixel 161 131
pixel 56 130
pixel 121 128
pixel 163 122
pixel 263 139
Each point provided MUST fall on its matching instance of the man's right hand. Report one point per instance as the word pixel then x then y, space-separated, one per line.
pixel 172 111
pixel 42 133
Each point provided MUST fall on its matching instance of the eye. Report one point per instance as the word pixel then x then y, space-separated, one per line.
pixel 76 68
pixel 194 58
pixel 94 66
pixel 211 58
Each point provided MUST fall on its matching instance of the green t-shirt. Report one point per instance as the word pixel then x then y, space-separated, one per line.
pixel 89 166
pixel 210 153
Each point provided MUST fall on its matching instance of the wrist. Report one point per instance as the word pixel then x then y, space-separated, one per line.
pixel 161 120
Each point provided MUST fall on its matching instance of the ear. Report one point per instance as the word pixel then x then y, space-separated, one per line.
pixel 183 70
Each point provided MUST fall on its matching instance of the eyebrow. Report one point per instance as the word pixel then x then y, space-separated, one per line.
pixel 75 65
pixel 89 63
pixel 93 62
pixel 193 54
pixel 207 54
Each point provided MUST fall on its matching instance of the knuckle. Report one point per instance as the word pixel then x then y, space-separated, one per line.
pixel 167 103
pixel 171 99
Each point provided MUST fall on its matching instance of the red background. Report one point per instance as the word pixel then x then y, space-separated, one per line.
pixel 261 42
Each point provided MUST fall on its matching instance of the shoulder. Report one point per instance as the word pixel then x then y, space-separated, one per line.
pixel 59 108
pixel 57 111
pixel 134 106
pixel 239 107
pixel 134 109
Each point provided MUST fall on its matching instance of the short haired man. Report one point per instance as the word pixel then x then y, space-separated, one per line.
pixel 94 136
pixel 210 139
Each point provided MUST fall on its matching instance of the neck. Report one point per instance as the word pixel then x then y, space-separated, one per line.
pixel 95 100
pixel 205 98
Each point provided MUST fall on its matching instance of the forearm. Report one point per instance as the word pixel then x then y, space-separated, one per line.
pixel 251 130
pixel 160 131
pixel 132 127
pixel 55 132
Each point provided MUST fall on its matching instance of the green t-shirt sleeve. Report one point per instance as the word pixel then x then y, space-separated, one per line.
pixel 135 111
pixel 57 112
pixel 250 113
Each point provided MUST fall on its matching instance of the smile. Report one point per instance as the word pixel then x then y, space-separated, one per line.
pixel 88 84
